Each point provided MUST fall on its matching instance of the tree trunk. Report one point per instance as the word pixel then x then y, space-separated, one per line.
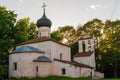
pixel 115 70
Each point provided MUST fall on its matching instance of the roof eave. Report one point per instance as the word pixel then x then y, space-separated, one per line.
pixel 38 40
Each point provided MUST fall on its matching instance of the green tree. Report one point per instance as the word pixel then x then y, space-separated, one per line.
pixel 94 29
pixel 12 33
pixel 56 35
pixel 81 33
pixel 110 45
pixel 68 33
pixel 74 49
pixel 24 30
pixel 7 21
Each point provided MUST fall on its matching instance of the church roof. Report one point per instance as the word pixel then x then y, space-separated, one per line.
pixel 74 63
pixel 42 39
pixel 27 49
pixel 83 54
pixel 42 59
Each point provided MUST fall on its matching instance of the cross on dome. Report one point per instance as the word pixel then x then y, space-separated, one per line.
pixel 44 5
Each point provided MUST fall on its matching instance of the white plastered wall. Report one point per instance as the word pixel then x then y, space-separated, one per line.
pixel 57 49
pixel 89 60
pixel 53 49
pixel 25 64
pixel 71 70
pixel 44 69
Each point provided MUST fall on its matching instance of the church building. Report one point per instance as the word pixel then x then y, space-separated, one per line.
pixel 43 56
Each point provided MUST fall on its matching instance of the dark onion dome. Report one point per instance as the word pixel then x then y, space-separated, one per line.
pixel 44 21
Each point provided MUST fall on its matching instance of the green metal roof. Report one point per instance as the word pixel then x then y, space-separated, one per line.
pixel 27 49
pixel 43 59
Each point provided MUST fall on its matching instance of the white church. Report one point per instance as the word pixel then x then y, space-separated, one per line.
pixel 42 57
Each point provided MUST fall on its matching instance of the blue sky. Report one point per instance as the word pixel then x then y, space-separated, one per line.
pixel 65 12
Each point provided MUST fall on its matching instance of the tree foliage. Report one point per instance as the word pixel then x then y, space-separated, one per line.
pixel 56 35
pixel 12 32
pixel 7 21
pixel 65 34
pixel 24 30
pixel 110 45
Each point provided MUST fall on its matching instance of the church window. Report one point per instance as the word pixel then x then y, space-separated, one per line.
pixel 36 68
pixel 83 46
pixel 89 42
pixel 15 66
pixel 80 71
pixel 89 46
pixel 63 71
pixel 60 55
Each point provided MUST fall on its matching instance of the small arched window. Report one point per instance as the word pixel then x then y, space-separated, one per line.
pixel 36 68
pixel 63 71
pixel 61 56
pixel 15 66
pixel 89 46
pixel 83 46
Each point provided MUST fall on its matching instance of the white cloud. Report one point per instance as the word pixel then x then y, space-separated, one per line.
pixel 96 6
pixel 92 6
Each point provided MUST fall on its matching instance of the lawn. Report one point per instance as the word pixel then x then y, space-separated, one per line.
pixel 57 78
pixel 51 78
pixel 110 79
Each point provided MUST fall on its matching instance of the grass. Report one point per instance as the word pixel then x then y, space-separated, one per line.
pixel 51 78
pixel 58 78
pixel 110 79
